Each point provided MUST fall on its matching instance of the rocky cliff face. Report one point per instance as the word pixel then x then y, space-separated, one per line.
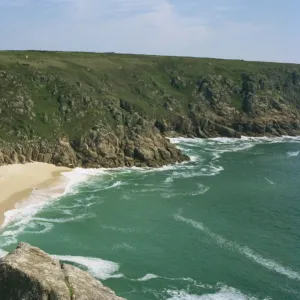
pixel 95 149
pixel 107 110
pixel 28 273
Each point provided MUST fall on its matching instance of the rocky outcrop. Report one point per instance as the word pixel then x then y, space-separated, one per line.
pixel 97 148
pixel 28 273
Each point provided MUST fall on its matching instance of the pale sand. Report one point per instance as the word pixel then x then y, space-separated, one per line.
pixel 18 181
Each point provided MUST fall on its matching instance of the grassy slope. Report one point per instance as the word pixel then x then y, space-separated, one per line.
pixel 71 92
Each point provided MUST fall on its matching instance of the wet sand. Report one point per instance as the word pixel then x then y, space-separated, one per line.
pixel 18 181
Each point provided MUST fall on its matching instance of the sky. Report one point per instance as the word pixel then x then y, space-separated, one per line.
pixel 263 30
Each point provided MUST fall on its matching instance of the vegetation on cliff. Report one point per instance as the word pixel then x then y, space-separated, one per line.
pixel 114 110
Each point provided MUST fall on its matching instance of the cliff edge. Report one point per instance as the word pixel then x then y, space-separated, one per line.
pixel 28 273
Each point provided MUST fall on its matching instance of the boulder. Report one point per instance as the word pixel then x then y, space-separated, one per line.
pixel 29 273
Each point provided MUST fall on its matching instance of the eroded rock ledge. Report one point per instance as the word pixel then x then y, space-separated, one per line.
pixel 29 273
pixel 94 150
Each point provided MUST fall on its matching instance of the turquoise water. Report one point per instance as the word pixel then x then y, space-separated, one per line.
pixel 224 226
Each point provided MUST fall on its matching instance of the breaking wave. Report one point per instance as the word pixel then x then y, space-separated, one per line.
pixel 225 293
pixel 270 181
pixel 99 268
pixel 293 154
pixel 225 140
pixel 3 253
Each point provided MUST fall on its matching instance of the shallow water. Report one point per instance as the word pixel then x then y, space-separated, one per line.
pixel 224 226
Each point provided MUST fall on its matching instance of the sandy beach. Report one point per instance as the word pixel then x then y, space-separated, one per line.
pixel 18 181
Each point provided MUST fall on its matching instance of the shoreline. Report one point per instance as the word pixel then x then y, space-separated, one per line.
pixel 18 181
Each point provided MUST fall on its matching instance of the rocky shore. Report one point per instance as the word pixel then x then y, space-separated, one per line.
pixel 28 273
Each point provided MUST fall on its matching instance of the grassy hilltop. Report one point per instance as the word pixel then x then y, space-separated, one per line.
pixel 45 96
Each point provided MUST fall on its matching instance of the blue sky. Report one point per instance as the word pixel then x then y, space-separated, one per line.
pixel 266 30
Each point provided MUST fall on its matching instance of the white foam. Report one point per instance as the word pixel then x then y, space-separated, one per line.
pixel 226 293
pixel 125 197
pixel 40 198
pixel 148 277
pixel 47 227
pixel 3 253
pixel 209 170
pixel 18 218
pixel 114 185
pixel 270 181
pixel 194 158
pixel 245 251
pixel 123 246
pixel 120 229
pixel 264 139
pixel 243 139
pixel 169 180
pixel 270 264
pixel 99 268
pixel 202 189
pixel 24 210
pixel 64 220
pixel 293 154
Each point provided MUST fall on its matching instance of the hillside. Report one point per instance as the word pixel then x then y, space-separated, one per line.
pixel 86 109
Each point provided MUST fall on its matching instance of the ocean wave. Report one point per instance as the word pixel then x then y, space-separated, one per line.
pixel 123 246
pixel 40 198
pixel 125 197
pixel 99 268
pixel 188 280
pixel 270 181
pixel 202 189
pixel 284 138
pixel 3 253
pixel 194 158
pixel 207 171
pixel 64 220
pixel 169 180
pixel 281 139
pixel 114 185
pixel 229 148
pixel 148 277
pixel 10 235
pixel 120 229
pixel 25 210
pixel 237 144
pixel 225 293
pixel 245 251
pixel 18 218
pixel 46 228
pixel 293 154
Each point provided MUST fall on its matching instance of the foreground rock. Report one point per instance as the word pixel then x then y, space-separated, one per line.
pixel 28 273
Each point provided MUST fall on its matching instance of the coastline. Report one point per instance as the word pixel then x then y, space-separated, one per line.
pixel 17 182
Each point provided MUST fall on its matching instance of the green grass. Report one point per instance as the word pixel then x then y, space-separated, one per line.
pixel 76 91
pixel 71 291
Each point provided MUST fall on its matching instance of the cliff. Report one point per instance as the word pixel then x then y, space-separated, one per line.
pixel 112 110
pixel 28 273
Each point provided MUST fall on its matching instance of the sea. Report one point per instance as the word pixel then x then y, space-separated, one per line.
pixel 225 225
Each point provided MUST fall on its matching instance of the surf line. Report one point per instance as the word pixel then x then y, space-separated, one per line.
pixel 243 250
